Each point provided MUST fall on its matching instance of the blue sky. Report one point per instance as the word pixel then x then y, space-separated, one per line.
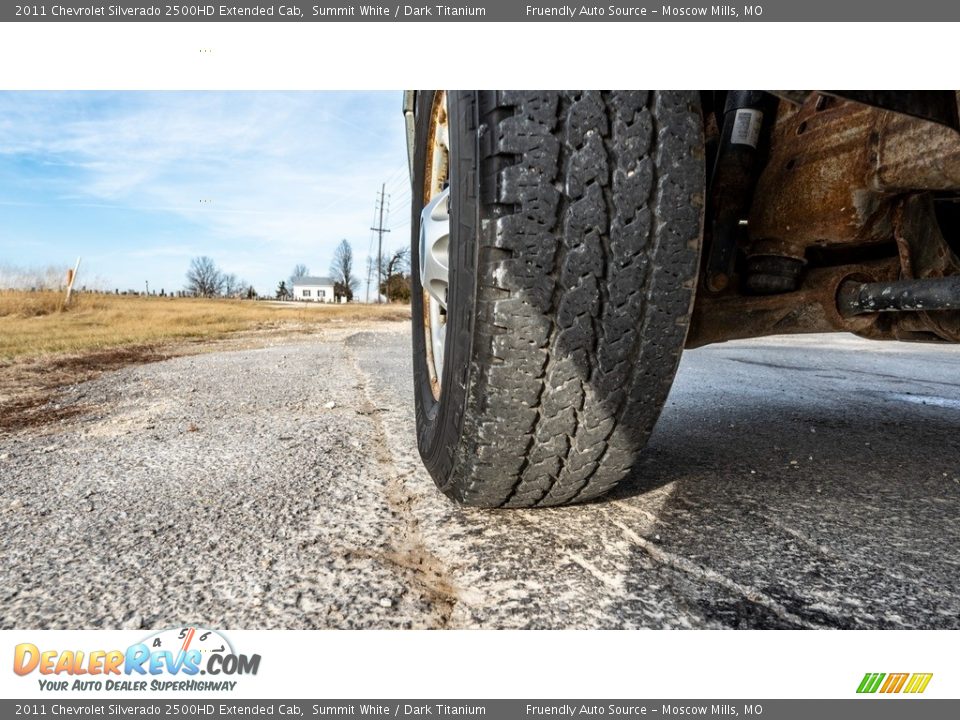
pixel 138 183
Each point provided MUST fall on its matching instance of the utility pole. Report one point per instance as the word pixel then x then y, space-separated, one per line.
pixel 380 231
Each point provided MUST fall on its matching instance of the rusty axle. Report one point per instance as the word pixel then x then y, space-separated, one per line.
pixel 929 294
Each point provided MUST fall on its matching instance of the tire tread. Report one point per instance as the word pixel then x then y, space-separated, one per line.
pixel 587 268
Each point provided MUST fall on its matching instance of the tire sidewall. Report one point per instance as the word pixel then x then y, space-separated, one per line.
pixel 440 422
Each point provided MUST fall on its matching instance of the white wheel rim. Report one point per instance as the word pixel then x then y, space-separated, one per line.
pixel 434 270
pixel 434 247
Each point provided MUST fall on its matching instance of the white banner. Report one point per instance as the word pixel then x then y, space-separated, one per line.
pixel 376 664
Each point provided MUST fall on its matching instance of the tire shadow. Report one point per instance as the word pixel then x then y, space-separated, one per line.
pixel 798 501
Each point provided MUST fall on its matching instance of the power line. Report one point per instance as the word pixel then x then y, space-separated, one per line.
pixel 399 221
pixel 400 206
pixel 399 178
pixel 398 173
pixel 398 187
pixel 380 230
pixel 370 249
pixel 401 196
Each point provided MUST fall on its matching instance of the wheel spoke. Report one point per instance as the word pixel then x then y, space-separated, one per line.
pixel 434 247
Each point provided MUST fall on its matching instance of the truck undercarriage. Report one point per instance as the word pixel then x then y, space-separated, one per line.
pixel 833 215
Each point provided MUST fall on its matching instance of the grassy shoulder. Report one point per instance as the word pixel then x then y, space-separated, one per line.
pixel 35 324
pixel 44 346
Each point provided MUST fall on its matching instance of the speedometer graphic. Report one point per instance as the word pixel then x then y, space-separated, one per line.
pixel 183 639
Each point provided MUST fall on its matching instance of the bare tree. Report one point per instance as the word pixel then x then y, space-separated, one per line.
pixel 395 284
pixel 233 286
pixel 397 262
pixel 341 270
pixel 204 278
pixel 299 271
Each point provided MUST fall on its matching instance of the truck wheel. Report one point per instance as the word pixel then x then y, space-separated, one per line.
pixel 555 249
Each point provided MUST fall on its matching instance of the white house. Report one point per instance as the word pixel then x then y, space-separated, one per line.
pixel 313 289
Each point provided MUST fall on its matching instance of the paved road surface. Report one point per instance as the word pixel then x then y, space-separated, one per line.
pixel 791 483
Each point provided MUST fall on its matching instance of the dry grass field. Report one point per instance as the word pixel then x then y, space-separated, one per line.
pixel 36 324
pixel 44 345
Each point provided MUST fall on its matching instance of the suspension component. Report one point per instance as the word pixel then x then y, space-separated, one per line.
pixel 734 177
pixel 927 295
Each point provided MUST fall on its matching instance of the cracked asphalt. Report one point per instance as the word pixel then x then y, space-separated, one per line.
pixel 791 483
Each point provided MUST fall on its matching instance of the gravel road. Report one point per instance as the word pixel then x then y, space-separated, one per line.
pixel 791 483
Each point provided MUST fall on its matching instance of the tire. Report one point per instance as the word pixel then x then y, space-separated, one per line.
pixel 575 231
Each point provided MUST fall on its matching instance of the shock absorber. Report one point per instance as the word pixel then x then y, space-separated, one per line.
pixel 746 114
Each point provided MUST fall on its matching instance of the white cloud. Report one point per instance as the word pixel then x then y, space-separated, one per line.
pixel 268 179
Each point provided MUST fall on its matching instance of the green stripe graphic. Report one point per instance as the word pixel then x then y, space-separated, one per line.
pixel 871 682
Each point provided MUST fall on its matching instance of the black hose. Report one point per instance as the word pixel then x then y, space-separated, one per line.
pixel 856 298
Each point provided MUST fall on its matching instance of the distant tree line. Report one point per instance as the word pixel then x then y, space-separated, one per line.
pixel 205 279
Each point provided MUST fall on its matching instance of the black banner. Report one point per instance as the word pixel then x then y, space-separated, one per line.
pixel 873 708
pixel 482 11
